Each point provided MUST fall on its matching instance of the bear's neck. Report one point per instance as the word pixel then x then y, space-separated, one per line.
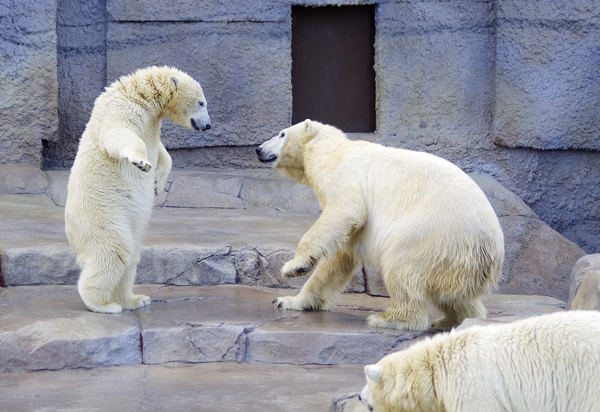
pixel 150 94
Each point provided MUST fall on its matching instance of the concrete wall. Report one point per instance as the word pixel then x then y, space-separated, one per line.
pixel 28 83
pixel 505 87
pixel 81 51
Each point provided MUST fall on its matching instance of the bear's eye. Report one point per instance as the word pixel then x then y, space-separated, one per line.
pixel 201 104
pixel 282 134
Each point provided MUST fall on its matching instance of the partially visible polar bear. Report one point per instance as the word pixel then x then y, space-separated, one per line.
pixel 120 164
pixel 416 218
pixel 549 363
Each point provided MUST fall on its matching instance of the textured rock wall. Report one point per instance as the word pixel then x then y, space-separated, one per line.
pixel 28 84
pixel 547 64
pixel 81 50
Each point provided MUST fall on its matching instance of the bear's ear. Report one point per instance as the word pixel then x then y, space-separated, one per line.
pixel 308 126
pixel 373 372
pixel 173 82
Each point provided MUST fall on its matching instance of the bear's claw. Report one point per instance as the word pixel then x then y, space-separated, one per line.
pixel 143 166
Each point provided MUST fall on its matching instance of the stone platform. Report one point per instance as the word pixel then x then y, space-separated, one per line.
pixel 211 339
pixel 49 328
pixel 196 347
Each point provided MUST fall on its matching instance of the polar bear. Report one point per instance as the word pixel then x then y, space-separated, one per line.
pixel 549 363
pixel 120 165
pixel 417 219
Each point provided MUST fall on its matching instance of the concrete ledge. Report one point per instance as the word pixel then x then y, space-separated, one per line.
pixel 49 328
pixel 22 179
pixel 206 387
pixel 217 189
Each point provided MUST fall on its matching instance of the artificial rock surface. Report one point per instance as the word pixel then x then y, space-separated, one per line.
pixel 230 226
pixel 207 387
pixel 49 328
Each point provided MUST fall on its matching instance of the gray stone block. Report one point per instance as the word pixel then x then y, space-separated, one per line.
pixel 29 81
pixel 57 186
pixel 574 11
pixel 547 96
pixel 235 157
pixel 207 387
pixel 244 69
pixel 271 345
pixel 53 330
pixel 194 344
pixel 429 95
pixel 204 10
pixel 22 179
pixel 279 194
pixel 538 259
pixel 47 264
pixel 262 267
pixel 186 266
pixel 208 190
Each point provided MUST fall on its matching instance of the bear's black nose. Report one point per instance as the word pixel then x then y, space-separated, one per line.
pixel 258 150
pixel 208 127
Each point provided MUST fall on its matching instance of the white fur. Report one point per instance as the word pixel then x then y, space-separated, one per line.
pixel 120 165
pixel 417 219
pixel 549 363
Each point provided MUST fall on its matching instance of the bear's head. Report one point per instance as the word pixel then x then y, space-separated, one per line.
pixel 285 151
pixel 399 382
pixel 187 105
pixel 373 375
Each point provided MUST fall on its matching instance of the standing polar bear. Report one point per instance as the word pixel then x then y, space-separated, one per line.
pixel 549 363
pixel 120 165
pixel 417 219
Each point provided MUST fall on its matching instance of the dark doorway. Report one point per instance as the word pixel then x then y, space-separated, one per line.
pixel 333 79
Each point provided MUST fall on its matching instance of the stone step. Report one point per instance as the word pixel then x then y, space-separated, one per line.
pixel 212 225
pixel 209 387
pixel 254 189
pixel 49 328
pixel 183 247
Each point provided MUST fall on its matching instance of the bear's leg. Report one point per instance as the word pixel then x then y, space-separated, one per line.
pixel 123 292
pixel 458 310
pixel 96 283
pixel 330 277
pixel 409 311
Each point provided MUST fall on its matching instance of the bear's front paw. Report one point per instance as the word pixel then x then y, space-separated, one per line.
pixel 296 267
pixel 141 164
pixel 288 302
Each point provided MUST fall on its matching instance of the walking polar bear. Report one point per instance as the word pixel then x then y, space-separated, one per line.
pixel 549 363
pixel 417 219
pixel 120 164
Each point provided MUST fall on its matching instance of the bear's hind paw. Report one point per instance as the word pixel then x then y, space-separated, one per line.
pixel 384 320
pixel 111 308
pixel 137 301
